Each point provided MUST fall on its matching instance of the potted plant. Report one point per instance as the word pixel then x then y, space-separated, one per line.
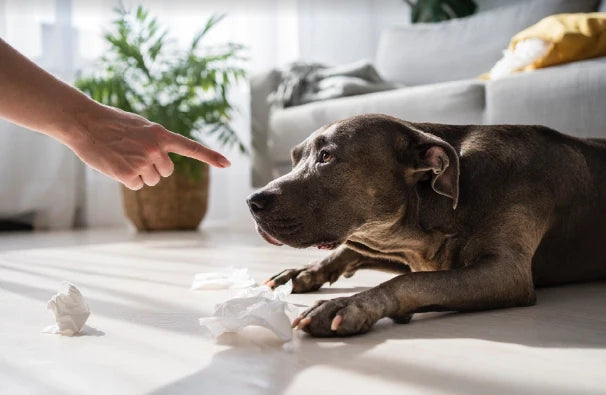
pixel 183 90
pixel 431 11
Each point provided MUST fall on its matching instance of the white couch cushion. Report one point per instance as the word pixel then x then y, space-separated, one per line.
pixel 458 102
pixel 461 48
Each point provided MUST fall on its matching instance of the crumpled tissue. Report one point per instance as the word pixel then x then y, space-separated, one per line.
pixel 230 278
pixel 253 306
pixel 69 309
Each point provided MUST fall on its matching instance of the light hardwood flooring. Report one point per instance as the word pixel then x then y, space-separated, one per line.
pixel 143 334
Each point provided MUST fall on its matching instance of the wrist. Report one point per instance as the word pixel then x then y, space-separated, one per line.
pixel 77 118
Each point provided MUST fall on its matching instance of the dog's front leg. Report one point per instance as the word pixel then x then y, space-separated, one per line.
pixel 342 261
pixel 489 283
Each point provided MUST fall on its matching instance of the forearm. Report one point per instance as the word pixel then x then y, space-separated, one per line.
pixel 35 99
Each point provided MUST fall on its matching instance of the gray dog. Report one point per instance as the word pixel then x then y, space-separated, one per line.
pixel 471 217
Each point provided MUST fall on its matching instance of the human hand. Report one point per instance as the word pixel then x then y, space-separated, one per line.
pixel 131 149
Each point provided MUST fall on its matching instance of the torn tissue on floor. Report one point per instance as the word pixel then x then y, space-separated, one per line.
pixel 69 309
pixel 258 306
pixel 229 278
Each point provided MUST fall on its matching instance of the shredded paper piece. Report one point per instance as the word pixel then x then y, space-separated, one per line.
pixel 69 309
pixel 258 306
pixel 229 279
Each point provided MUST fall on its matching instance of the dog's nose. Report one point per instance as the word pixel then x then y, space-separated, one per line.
pixel 260 201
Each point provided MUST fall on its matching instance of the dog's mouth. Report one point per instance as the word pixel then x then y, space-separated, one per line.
pixel 267 237
pixel 282 235
pixel 278 231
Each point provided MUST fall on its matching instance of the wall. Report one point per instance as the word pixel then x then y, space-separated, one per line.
pixel 335 32
pixel 341 31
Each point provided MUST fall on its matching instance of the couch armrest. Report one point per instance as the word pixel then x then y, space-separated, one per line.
pixel 261 85
pixel 569 98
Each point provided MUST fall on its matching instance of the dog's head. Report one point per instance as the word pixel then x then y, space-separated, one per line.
pixel 352 173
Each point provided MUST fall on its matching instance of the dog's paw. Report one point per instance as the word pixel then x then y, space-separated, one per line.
pixel 337 317
pixel 306 279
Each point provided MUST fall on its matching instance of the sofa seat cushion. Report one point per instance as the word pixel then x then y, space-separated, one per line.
pixel 456 102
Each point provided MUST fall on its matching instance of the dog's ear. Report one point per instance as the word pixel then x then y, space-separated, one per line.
pixel 442 160
pixel 436 158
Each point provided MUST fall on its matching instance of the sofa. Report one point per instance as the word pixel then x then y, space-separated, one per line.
pixel 439 65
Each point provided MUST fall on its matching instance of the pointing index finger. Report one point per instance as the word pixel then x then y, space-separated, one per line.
pixel 183 146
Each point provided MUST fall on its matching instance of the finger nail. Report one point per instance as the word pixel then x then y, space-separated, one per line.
pixel 304 322
pixel 224 162
pixel 334 325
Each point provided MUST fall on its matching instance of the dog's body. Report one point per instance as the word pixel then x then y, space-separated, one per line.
pixel 472 216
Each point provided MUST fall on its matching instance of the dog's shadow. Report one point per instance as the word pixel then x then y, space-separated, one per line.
pixel 254 363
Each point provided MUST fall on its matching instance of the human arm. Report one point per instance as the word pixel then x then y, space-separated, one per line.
pixel 121 145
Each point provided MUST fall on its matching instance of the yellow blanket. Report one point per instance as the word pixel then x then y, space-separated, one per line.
pixel 571 37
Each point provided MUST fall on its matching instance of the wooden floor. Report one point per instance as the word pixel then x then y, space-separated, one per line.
pixel 143 334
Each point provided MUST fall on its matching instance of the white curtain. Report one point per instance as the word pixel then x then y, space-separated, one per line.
pixel 39 178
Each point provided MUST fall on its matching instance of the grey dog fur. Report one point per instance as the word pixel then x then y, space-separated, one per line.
pixel 471 217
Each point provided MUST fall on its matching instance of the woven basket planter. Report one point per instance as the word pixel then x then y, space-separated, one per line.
pixel 176 203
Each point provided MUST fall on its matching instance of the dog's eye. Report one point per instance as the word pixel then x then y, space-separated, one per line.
pixel 325 157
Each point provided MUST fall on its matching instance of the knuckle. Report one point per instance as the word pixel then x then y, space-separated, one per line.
pixel 195 149
pixel 136 172
pixel 130 174
pixel 140 165
pixel 154 151
pixel 157 128
pixel 122 174
pixel 158 132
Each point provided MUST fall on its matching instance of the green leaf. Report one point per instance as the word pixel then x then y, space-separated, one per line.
pixel 212 21
pixel 427 11
pixel 156 47
pixel 141 14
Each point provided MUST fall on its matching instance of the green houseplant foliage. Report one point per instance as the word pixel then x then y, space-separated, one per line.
pixel 184 90
pixel 428 11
